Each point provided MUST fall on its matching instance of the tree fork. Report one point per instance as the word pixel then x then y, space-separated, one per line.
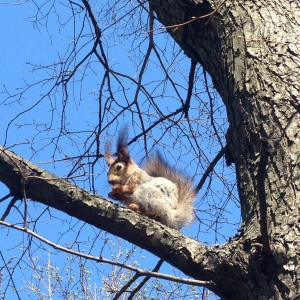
pixel 249 50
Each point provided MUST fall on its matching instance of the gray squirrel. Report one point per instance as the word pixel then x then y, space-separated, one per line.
pixel 156 190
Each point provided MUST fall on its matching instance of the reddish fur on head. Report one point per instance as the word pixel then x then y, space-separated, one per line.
pixel 118 168
pixel 158 191
pixel 122 167
pixel 122 151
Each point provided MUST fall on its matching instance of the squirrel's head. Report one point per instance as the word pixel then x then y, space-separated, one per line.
pixel 120 168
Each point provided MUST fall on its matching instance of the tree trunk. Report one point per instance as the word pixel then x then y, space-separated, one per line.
pixel 251 51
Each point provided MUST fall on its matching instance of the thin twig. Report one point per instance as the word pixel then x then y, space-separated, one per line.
pixel 9 207
pixel 145 280
pixel 209 169
pixel 208 284
pixel 10 276
pixel 212 121
pixel 5 197
pixel 190 88
pixel 192 19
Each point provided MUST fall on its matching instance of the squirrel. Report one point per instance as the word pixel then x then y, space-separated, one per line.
pixel 156 190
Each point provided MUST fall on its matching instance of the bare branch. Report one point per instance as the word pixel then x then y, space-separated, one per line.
pixel 139 272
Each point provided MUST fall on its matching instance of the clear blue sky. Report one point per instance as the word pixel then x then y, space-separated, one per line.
pixel 23 45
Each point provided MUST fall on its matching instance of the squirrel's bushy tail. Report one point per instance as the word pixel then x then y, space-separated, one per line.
pixel 156 166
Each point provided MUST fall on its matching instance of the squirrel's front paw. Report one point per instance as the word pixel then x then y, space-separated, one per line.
pixel 117 188
pixel 112 195
pixel 116 192
pixel 134 207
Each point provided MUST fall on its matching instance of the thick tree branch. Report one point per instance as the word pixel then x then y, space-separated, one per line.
pixel 186 254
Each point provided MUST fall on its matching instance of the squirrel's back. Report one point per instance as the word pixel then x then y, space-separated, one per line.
pixel 158 190
pixel 156 166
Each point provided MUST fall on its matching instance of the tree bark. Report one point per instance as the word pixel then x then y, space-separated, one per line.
pixel 204 263
pixel 251 51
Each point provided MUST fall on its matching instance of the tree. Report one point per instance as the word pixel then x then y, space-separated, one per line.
pixel 250 50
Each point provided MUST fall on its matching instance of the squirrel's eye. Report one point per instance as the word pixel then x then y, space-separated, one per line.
pixel 119 167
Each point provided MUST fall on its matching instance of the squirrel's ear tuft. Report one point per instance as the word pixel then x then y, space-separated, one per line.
pixel 122 138
pixel 122 151
pixel 107 154
pixel 109 160
pixel 123 155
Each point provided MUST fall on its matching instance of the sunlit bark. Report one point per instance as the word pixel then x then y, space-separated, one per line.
pixel 251 51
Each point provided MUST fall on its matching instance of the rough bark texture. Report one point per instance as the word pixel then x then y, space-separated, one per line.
pixel 251 50
pixel 186 254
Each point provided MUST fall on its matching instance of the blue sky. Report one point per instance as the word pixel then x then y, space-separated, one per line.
pixel 24 44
